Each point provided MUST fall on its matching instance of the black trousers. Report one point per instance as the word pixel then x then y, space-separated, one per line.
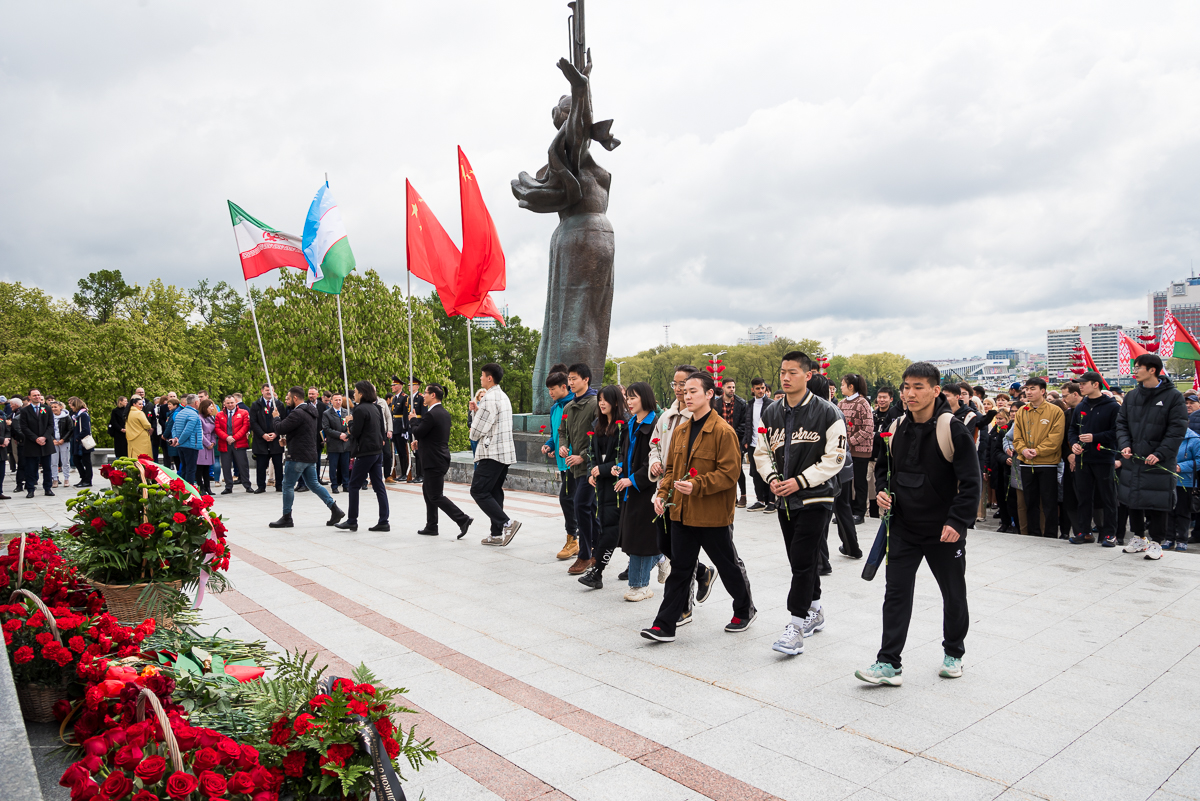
pixel 566 489
pixel 860 485
pixel 664 546
pixel 843 513
pixel 260 467
pixel 367 467
pixel 742 483
pixel 762 492
pixel 608 523
pixel 83 463
pixel 387 458
pixel 948 563
pixel 1136 518
pixel 1096 486
pixel 31 472
pixel 401 458
pixel 235 458
pixel 1180 520
pixel 487 490
pixel 120 446
pixel 1040 485
pixel 803 531
pixel 1156 524
pixel 584 503
pixel 686 542
pixel 1068 511
pixel 432 489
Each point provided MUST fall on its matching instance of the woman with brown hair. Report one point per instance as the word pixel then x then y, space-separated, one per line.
pixel 204 459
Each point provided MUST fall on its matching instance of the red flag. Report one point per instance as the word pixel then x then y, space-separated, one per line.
pixel 432 255
pixel 488 309
pixel 481 267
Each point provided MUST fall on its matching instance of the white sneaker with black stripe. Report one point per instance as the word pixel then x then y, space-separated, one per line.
pixel 1154 551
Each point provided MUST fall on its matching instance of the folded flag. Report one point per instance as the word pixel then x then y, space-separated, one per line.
pixel 261 247
pixel 325 244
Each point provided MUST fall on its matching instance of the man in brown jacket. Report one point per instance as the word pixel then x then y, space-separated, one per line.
pixel 1038 442
pixel 700 485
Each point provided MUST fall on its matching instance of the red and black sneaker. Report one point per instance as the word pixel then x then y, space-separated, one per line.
pixel 741 623
pixel 657 634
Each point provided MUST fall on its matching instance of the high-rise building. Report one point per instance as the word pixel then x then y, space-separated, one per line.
pixel 1101 340
pixel 486 323
pixel 1021 356
pixel 1182 298
pixel 759 335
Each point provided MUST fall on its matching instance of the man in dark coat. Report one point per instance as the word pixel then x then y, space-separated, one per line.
pixel 417 406
pixel 301 427
pixel 1093 437
pixel 432 433
pixel 266 447
pixel 37 431
pixel 116 427
pixel 733 411
pixel 1151 424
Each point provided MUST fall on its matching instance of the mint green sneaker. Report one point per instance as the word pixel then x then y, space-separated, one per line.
pixel 951 667
pixel 881 673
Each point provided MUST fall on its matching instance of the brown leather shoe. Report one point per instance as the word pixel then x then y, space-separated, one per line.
pixel 580 566
pixel 570 549
pixel 741 502
pixel 389 480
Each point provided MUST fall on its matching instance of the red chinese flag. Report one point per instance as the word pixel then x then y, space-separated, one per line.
pixel 432 255
pixel 488 309
pixel 481 267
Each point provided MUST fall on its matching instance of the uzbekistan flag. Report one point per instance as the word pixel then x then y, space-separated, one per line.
pixel 261 247
pixel 325 244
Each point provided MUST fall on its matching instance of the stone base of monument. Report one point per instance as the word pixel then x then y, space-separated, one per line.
pixel 525 476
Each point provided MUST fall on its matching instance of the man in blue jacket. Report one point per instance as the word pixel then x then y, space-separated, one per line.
pixel 1093 438
pixel 188 436
pixel 560 393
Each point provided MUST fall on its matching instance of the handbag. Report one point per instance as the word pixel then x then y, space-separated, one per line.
pixel 89 442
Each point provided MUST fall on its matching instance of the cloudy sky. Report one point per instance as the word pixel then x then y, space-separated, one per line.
pixel 930 178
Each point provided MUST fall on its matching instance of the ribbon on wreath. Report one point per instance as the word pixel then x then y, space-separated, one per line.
pixel 163 476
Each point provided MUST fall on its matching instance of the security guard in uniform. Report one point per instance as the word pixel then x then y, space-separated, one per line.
pixel 400 432
pixel 418 407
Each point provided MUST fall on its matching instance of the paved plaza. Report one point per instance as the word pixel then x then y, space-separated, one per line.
pixel 1081 678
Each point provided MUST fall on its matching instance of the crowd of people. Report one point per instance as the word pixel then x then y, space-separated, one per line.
pixel 664 484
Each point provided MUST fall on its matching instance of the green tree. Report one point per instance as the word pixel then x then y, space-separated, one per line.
pixel 101 293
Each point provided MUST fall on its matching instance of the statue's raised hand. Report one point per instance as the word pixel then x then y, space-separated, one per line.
pixel 576 78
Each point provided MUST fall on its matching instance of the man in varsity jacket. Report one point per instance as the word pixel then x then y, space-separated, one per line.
pixel 929 479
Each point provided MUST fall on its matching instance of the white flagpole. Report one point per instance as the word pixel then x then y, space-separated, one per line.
pixel 342 337
pixel 257 333
pixel 470 360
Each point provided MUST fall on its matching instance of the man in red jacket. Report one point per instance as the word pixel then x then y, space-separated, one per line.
pixel 232 426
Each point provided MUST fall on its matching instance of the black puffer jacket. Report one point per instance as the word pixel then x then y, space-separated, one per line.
pixel 1099 418
pixel 1150 421
pixel 300 428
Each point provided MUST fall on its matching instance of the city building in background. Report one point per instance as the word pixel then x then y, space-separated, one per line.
pixel 974 369
pixel 487 323
pixel 1183 299
pixel 1014 355
pixel 759 335
pixel 1101 340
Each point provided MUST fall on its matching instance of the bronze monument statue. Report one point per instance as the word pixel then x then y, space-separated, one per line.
pixel 580 287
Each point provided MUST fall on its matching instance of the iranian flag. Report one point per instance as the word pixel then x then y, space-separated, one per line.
pixel 261 247
pixel 326 246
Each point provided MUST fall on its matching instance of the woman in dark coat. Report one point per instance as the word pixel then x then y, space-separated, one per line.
pixel 639 532
pixel 604 469
pixel 367 437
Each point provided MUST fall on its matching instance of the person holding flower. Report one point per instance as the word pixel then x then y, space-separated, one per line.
pixel 556 386
pixel 573 444
pixel 639 532
pixel 1093 439
pixel 701 472
pixel 604 469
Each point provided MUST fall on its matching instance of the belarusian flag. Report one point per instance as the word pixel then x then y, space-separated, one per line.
pixel 1176 341
pixel 325 244
pixel 261 247
pixel 1127 351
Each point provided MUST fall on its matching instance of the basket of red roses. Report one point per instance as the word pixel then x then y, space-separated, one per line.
pixel 146 538
pixel 34 562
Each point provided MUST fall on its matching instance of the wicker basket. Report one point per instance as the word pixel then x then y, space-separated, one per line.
pixel 37 700
pixel 122 601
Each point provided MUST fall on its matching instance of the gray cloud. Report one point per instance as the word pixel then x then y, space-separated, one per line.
pixel 932 179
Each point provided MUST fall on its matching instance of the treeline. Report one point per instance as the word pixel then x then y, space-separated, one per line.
pixel 112 337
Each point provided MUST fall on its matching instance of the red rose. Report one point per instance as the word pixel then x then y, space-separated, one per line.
pixel 762 429
pixel 117 785
pixel 85 790
pixel 61 709
pixel 127 758
pixel 293 764
pixel 228 751
pixel 179 517
pixel 23 654
pixel 74 775
pixel 145 795
pixel 144 530
pixel 98 523
pixel 116 478
pixel 265 795
pixel 151 769
pixel 212 784
pixel 205 759
pixel 181 785
pixel 151 472
pixel 242 782
pixel 248 756
pixel 693 473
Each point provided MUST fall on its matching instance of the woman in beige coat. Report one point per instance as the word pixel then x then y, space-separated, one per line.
pixel 137 429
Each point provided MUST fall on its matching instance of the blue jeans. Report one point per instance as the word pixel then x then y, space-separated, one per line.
pixel 307 470
pixel 188 467
pixel 639 569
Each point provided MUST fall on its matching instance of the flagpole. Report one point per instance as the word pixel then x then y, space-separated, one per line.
pixel 410 356
pixel 342 337
pixel 470 360
pixel 257 333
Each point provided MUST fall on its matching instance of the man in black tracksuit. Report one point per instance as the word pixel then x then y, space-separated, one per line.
pixel 930 481
pixel 1093 429
pixel 887 410
pixel 801 455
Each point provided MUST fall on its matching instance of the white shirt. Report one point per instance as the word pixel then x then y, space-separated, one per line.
pixel 756 407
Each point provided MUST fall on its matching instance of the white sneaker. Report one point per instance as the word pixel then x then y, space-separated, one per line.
pixel 1154 551
pixel 638 593
pixel 1136 545
pixel 791 642
pixel 664 570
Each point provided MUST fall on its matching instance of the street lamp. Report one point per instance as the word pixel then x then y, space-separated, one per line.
pixel 618 364
pixel 715 368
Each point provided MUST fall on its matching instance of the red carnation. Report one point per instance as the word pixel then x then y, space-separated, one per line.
pixel 693 473
pixel 23 654
pixel 655 441
pixel 319 700
pixel 293 764
pixel 144 530
pixel 303 723
pixel 564 417
pixel 181 785
pixel 762 429
pixel 179 517
pixel 886 434
pixel 591 433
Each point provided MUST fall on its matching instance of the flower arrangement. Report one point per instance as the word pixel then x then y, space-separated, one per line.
pixel 150 528
pixel 40 567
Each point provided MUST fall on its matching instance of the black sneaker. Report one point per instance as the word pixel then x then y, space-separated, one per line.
pixel 684 619
pixel 770 509
pixel 623 575
pixel 49 493
pixel 657 634
pixel 858 520
pixel 757 506
pixel 740 624
pixel 592 578
pixel 704 584
pixel 842 551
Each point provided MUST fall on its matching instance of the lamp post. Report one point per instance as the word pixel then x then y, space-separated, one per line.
pixel 618 364
pixel 714 365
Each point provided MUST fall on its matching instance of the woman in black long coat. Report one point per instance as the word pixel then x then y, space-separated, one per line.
pixel 639 532
pixel 604 469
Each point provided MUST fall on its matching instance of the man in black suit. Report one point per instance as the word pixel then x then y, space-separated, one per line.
pixel 266 446
pixel 432 433
pixel 37 429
